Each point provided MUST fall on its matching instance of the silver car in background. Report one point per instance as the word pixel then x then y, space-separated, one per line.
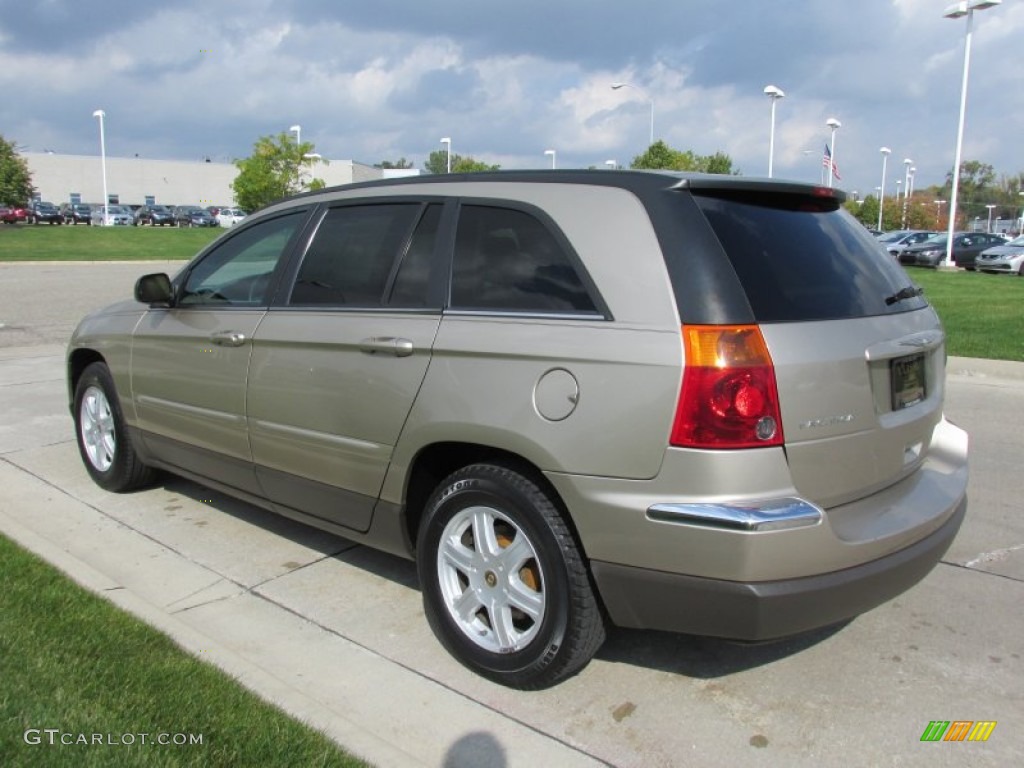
pixel 113 216
pixel 1005 259
pixel 701 404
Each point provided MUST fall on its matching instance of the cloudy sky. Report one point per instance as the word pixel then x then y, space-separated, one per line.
pixel 374 80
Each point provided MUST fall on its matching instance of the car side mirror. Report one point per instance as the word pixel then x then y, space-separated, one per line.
pixel 154 289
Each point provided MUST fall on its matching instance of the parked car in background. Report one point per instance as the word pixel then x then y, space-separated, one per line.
pixel 464 370
pixel 966 247
pixel 228 217
pixel 76 213
pixel 15 213
pixel 115 216
pixel 41 212
pixel 1007 258
pixel 896 241
pixel 193 216
pixel 154 215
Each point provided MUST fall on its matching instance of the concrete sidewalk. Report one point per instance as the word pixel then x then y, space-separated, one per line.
pixel 334 633
pixel 220 585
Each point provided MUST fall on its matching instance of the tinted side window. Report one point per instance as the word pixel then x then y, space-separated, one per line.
pixel 410 286
pixel 508 260
pixel 800 258
pixel 237 272
pixel 352 255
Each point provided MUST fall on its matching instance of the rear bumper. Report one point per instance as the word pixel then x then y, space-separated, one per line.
pixel 647 599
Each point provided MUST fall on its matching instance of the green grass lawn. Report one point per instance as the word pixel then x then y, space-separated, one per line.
pixel 72 662
pixel 983 314
pixel 43 242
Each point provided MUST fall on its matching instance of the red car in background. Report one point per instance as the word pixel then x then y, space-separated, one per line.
pixel 12 215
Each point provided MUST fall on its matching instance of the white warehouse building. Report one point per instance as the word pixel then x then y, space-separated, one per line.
pixel 141 181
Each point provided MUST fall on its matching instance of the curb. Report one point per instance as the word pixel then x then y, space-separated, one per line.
pixel 982 368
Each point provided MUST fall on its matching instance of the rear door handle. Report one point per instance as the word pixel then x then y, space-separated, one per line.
pixel 228 338
pixel 386 345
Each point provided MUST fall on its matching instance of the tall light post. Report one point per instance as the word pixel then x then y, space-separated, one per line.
pixel 774 93
pixel 955 11
pixel 297 130
pixel 448 151
pixel 103 162
pixel 1021 230
pixel 907 162
pixel 899 187
pixel 881 197
pixel 938 211
pixel 552 153
pixel 834 125
pixel 617 86
pixel 990 207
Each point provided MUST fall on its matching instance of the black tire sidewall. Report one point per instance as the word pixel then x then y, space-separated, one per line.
pixel 480 489
pixel 119 475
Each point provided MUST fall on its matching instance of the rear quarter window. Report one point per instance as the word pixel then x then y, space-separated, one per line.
pixel 802 258
pixel 508 260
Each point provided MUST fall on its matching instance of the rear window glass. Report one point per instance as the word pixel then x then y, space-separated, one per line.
pixel 801 258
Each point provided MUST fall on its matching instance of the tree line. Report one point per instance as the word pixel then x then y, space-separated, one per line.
pixel 280 166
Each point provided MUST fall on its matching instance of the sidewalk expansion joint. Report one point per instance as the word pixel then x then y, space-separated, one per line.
pixel 969 567
pixel 440 683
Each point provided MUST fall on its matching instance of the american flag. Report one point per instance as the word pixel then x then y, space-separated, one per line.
pixel 827 162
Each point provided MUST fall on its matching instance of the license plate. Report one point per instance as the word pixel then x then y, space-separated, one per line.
pixel 908 384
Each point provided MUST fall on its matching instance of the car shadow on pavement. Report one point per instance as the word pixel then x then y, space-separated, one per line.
pixel 684 655
pixel 323 542
pixel 703 657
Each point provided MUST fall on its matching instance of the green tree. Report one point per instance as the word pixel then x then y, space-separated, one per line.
pixel 15 178
pixel 438 163
pixel 866 212
pixel 401 163
pixel 278 167
pixel 661 156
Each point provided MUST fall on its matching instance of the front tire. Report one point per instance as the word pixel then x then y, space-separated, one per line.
pixel 505 588
pixel 103 441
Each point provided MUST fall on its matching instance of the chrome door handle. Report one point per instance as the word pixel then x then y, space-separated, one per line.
pixel 386 345
pixel 228 338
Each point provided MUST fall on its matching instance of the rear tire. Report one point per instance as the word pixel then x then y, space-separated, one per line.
pixel 103 441
pixel 505 588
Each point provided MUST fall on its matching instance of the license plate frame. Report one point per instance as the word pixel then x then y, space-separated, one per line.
pixel 907 377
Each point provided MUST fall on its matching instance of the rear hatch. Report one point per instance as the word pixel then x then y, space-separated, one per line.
pixel 858 353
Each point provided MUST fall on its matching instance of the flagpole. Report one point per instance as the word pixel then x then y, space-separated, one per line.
pixel 833 124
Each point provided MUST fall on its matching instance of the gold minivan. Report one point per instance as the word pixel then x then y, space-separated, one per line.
pixel 702 404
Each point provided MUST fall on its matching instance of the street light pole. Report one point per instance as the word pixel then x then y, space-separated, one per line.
pixel 448 150
pixel 617 86
pixel 834 125
pixel 552 153
pixel 990 207
pixel 103 163
pixel 907 162
pixel 955 11
pixel 881 198
pixel 774 93
pixel 297 130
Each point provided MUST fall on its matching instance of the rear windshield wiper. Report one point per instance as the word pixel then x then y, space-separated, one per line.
pixel 904 293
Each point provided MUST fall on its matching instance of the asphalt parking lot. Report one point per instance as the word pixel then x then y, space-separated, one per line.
pixel 334 633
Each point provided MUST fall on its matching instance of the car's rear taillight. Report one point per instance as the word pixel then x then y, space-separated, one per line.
pixel 729 398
